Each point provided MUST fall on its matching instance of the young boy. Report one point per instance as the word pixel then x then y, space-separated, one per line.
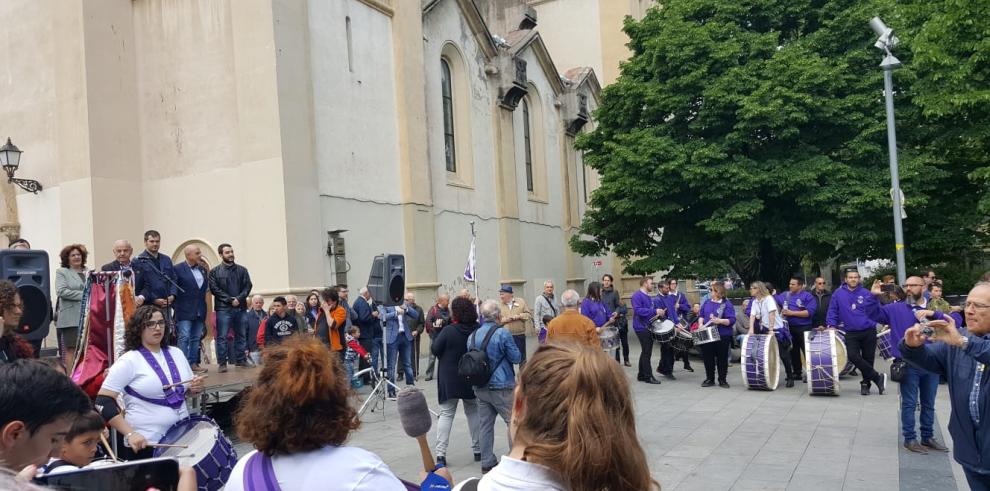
pixel 281 324
pixel 354 350
pixel 79 446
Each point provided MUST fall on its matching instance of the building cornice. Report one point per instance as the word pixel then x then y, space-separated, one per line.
pixel 386 7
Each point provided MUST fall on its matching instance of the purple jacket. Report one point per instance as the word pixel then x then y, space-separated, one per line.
pixel 643 310
pixel 798 301
pixel 710 308
pixel 596 311
pixel 900 317
pixel 668 302
pixel 683 307
pixel 855 310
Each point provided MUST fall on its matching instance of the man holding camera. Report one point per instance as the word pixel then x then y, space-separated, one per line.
pixel 436 319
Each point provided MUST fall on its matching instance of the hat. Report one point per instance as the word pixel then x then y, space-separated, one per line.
pixel 505 289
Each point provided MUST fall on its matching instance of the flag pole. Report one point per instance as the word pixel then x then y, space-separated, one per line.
pixel 474 237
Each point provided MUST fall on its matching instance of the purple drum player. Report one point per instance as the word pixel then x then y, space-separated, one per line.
pixel 857 310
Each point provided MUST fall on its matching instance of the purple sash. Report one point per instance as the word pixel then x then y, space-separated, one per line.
pixel 259 474
pixel 175 397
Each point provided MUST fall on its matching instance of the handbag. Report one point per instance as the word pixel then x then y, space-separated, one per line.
pixel 898 368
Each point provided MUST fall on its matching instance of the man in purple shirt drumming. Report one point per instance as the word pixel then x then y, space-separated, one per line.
pixel 854 310
pixel 798 307
pixel 643 313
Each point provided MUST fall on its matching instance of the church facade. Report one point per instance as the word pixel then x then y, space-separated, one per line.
pixel 310 135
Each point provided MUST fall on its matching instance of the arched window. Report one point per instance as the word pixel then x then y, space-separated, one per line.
pixel 527 146
pixel 450 151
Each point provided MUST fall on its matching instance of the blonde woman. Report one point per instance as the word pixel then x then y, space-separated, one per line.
pixel 764 309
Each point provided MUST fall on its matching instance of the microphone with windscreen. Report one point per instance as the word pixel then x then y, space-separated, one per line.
pixel 416 421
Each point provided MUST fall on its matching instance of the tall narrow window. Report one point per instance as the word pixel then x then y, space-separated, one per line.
pixel 350 44
pixel 450 152
pixel 527 145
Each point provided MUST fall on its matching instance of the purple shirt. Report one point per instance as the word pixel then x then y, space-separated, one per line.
pixel 643 310
pixel 801 301
pixel 852 310
pixel 595 310
pixel 900 317
pixel 668 302
pixel 710 308
pixel 681 302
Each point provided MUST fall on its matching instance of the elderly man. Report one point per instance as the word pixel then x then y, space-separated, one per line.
pixel 515 316
pixel 190 304
pixel 436 319
pixel 570 325
pixel 290 305
pixel 417 325
pixel 961 355
pixel 366 317
pixel 252 320
pixel 122 251
pixel 545 308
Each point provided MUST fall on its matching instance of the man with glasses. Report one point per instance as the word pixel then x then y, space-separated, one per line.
pixel 961 355
pixel 822 297
pixel 855 310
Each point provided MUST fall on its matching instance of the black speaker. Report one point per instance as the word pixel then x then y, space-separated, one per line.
pixel 387 280
pixel 28 270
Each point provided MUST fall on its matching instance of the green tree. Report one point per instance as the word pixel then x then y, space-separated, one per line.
pixel 750 135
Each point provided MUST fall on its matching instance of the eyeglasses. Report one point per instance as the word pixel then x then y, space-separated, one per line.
pixel 154 324
pixel 914 284
pixel 976 306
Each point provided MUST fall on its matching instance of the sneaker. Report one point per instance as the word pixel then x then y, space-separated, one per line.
pixel 881 383
pixel 688 368
pixel 724 385
pixel 223 368
pixel 708 383
pixel 934 445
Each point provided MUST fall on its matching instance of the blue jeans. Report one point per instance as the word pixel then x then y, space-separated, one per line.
pixel 226 320
pixel 189 333
pixel 917 381
pixel 405 346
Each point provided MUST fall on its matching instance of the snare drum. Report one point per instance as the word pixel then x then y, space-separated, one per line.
pixel 706 335
pixel 760 370
pixel 682 341
pixel 662 330
pixel 207 450
pixel 609 338
pixel 826 356
pixel 883 343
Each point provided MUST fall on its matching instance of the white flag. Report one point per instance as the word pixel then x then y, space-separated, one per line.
pixel 469 269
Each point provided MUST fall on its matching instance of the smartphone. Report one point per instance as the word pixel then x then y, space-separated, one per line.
pixel 139 475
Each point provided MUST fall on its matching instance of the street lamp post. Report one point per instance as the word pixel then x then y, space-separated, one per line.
pixel 885 42
pixel 10 160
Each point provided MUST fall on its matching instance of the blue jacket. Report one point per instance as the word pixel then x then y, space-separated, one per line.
pixel 148 283
pixel 369 325
pixel 392 322
pixel 797 302
pixel 502 354
pixel 190 305
pixel 970 445
pixel 855 310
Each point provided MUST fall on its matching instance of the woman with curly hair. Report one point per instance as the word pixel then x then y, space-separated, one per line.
pixel 12 346
pixel 573 427
pixel 141 375
pixel 298 418
pixel 70 281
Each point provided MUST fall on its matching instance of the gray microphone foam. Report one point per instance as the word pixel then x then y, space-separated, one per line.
pixel 413 412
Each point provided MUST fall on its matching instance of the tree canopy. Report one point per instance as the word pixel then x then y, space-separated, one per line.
pixel 751 135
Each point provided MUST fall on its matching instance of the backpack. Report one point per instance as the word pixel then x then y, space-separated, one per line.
pixel 474 365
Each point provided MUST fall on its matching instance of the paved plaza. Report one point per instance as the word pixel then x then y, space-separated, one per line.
pixel 719 439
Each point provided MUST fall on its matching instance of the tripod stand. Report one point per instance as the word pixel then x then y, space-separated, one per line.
pixel 379 394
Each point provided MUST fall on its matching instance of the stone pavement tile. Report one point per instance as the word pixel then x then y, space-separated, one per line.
pixel 775 472
pixel 691 450
pixel 773 456
pixel 756 485
pixel 669 471
pixel 812 465
pixel 815 482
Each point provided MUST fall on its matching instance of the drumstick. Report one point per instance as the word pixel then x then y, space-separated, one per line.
pixel 107 446
pixel 165 445
pixel 169 386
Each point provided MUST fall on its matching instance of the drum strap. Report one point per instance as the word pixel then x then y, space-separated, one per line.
pixel 174 397
pixel 259 474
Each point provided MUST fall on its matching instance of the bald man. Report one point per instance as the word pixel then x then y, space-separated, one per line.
pixel 190 304
pixel 962 356
pixel 122 252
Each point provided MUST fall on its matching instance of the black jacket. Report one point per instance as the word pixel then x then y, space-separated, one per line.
pixel 228 283
pixel 823 300
pixel 611 299
pixel 449 346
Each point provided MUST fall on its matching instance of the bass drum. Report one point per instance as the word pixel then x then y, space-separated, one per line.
pixel 760 367
pixel 202 446
pixel 826 355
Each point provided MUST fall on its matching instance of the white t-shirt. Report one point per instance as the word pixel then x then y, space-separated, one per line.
pixel 762 309
pixel 516 475
pixel 339 468
pixel 131 369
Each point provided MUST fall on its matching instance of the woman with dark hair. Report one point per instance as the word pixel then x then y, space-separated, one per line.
pixel 70 281
pixel 312 308
pixel 298 417
pixel 573 427
pixel 613 301
pixel 141 375
pixel 12 346
pixel 449 346
pixel 593 308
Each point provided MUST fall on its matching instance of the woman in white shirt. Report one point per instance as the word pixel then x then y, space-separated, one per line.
pixel 568 396
pixel 140 376
pixel 764 308
pixel 298 417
